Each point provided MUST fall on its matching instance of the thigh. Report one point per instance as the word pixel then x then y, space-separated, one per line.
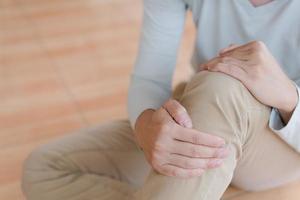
pixel 107 150
pixel 99 157
pixel 267 161
pixel 213 110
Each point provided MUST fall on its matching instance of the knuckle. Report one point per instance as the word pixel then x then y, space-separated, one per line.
pixel 170 104
pixel 152 156
pixel 190 164
pixel 193 152
pixel 196 139
pixel 163 171
pixel 155 162
pixel 179 112
pixel 258 45
pixel 208 164
pixel 158 149
pixel 229 70
pixel 162 128
pixel 224 59
pixel 189 174
pixel 195 173
pixel 199 172
pixel 174 172
pixel 218 66
pixel 205 165
pixel 251 51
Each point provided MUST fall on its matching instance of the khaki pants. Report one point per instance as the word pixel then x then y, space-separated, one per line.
pixel 105 163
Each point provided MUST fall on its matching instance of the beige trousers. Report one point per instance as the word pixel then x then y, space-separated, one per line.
pixel 105 163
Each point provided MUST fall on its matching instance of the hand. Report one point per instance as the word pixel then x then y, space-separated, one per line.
pixel 172 147
pixel 258 70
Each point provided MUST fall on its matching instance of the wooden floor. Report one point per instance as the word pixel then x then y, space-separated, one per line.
pixel 64 65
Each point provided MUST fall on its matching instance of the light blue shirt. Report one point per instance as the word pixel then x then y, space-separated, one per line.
pixel 219 23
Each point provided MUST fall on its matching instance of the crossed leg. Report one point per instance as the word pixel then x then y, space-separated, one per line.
pixel 104 162
pixel 259 159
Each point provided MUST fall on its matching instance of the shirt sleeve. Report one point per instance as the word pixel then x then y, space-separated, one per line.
pixel 289 132
pixel 151 79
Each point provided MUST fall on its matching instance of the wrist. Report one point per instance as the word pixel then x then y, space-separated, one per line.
pixel 141 123
pixel 290 102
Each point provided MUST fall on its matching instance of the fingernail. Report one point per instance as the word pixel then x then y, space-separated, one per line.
pixel 188 124
pixel 185 122
pixel 223 152
pixel 216 163
pixel 222 142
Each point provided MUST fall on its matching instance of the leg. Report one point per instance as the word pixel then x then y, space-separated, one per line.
pixel 267 160
pixel 217 105
pixel 221 105
pixel 102 162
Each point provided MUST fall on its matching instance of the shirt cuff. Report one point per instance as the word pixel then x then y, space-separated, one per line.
pixel 288 132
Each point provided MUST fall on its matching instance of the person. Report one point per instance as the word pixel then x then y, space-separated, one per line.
pixel 236 121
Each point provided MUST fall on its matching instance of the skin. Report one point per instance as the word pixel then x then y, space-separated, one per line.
pixel 257 69
pixel 172 147
pixel 166 135
pixel 257 3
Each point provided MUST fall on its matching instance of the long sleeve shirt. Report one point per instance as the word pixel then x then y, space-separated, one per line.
pixel 219 23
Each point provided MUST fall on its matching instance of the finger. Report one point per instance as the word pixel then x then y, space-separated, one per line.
pixel 230 47
pixel 234 61
pixel 197 137
pixel 170 170
pixel 204 65
pixel 231 70
pixel 178 112
pixel 246 47
pixel 193 163
pixel 162 115
pixel 227 59
pixel 198 151
pixel 241 55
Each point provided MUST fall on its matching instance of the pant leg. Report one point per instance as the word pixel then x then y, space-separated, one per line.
pixel 99 163
pixel 217 104
pixel 267 161
pixel 221 105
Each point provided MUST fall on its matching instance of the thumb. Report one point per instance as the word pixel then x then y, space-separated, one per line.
pixel 178 113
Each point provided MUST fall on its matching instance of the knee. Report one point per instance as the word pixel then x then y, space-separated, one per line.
pixel 214 85
pixel 37 168
pixel 210 98
pixel 30 166
pixel 212 90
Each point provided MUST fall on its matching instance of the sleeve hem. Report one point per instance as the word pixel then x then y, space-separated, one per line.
pixel 276 123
